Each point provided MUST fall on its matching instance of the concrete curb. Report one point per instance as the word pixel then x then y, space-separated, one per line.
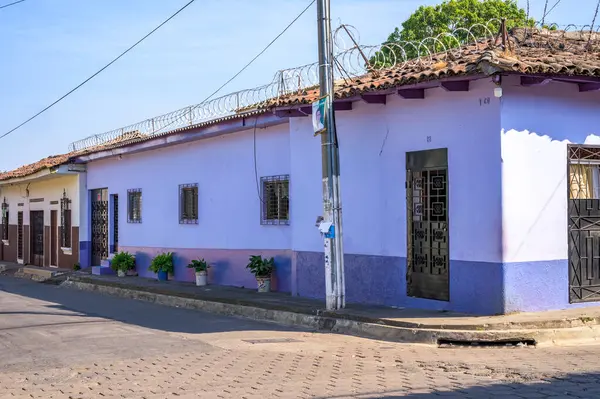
pixel 326 323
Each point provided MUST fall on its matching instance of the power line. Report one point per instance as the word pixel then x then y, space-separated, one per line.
pixel 549 11
pixel 259 54
pixel 100 70
pixel 247 65
pixel 11 4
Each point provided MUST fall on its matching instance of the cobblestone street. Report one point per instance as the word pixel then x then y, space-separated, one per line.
pixel 60 343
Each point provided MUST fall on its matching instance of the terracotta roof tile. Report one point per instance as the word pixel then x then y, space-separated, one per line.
pixel 548 53
pixel 26 170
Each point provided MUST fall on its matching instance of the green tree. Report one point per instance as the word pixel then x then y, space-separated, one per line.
pixel 432 21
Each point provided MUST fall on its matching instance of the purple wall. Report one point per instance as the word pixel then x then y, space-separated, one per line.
pixel 228 267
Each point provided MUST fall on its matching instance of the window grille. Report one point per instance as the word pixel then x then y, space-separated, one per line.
pixel 134 205
pixel 275 199
pixel 188 203
pixel 4 220
pixel 65 221
pixel 20 235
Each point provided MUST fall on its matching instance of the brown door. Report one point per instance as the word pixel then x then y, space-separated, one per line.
pixel 37 238
pixel 53 238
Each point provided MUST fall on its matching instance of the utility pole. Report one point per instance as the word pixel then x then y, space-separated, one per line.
pixel 332 207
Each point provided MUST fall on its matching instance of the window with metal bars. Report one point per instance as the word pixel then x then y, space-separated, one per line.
pixel 65 222
pixel 275 200
pixel 134 205
pixel 5 220
pixel 188 203
pixel 19 235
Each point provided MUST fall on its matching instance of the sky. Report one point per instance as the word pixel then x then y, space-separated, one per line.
pixel 47 47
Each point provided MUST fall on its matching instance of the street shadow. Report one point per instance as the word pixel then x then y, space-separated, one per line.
pixel 573 385
pixel 66 304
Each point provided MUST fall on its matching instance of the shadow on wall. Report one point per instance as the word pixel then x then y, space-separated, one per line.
pixel 227 267
pixel 578 385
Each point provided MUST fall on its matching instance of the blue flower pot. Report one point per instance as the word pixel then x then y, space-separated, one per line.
pixel 162 276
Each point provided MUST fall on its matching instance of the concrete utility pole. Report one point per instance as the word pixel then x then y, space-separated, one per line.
pixel 332 206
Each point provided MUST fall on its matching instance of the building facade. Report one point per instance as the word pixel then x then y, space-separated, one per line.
pixel 41 215
pixel 469 185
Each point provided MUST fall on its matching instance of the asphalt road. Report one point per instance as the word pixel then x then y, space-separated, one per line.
pixel 61 343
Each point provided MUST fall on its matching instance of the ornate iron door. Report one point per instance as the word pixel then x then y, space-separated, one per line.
pixel 584 223
pixel 427 271
pixel 37 238
pixel 20 235
pixel 99 223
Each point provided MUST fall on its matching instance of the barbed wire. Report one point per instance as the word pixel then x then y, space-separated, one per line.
pixel 354 60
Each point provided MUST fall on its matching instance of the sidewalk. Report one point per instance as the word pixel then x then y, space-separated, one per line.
pixel 385 323
pixel 396 324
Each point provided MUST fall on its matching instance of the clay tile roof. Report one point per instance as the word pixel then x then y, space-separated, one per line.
pixel 57 160
pixel 26 170
pixel 531 52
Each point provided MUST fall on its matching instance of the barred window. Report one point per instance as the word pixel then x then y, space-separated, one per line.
pixel 65 222
pixel 275 200
pixel 188 203
pixel 5 221
pixel 134 205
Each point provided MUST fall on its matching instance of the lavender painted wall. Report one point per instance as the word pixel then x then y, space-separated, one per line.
pixel 374 139
pixel 229 204
pixel 537 124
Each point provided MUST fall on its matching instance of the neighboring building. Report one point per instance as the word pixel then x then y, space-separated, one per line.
pixel 453 198
pixel 40 204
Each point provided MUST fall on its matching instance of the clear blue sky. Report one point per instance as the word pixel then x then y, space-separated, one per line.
pixel 49 46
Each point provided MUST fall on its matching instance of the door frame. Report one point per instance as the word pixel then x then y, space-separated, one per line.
pixel 54 231
pixel 104 194
pixel 32 230
pixel 427 285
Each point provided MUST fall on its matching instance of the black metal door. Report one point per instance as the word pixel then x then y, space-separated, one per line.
pixel 20 235
pixel 99 223
pixel 37 238
pixel 584 224
pixel 427 271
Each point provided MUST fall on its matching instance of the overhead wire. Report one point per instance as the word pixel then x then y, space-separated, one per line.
pixel 247 64
pixel 99 71
pixel 11 4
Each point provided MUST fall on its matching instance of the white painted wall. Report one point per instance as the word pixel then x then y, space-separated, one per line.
pixel 537 124
pixel 229 205
pixel 50 189
pixel 374 140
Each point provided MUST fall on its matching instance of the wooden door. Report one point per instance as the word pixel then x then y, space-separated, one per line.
pixel 37 238
pixel 53 238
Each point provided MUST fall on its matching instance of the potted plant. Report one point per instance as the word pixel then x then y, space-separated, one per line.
pixel 262 269
pixel 162 265
pixel 122 263
pixel 201 267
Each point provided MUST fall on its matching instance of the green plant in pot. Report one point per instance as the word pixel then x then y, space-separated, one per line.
pixel 162 265
pixel 201 268
pixel 122 263
pixel 262 268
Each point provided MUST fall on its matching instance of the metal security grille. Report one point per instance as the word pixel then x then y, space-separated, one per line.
pixel 115 215
pixel 584 223
pixel 275 200
pixel 4 220
pixel 188 203
pixel 99 226
pixel 427 273
pixel 65 221
pixel 37 237
pixel 134 205
pixel 19 235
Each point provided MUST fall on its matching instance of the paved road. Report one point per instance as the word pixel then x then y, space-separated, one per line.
pixel 60 343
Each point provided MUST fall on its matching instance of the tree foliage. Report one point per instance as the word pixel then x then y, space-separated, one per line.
pixel 447 17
